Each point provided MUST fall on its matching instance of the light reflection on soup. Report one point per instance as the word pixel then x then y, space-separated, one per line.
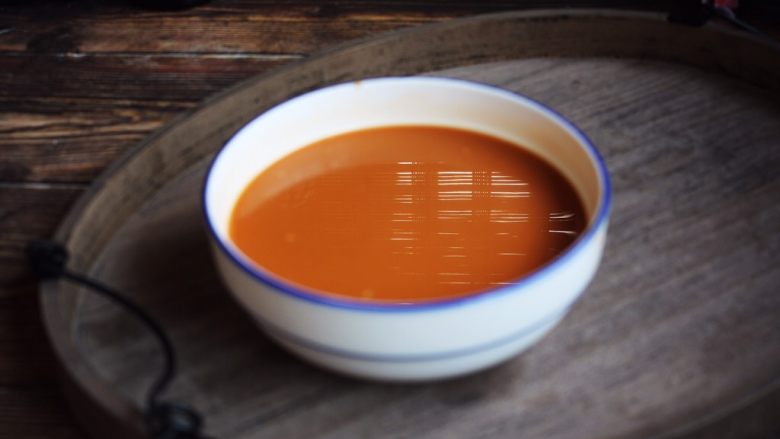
pixel 406 214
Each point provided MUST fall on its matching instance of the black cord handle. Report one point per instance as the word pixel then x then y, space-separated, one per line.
pixel 164 419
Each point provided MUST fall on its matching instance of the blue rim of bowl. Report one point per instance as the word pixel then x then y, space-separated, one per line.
pixel 332 300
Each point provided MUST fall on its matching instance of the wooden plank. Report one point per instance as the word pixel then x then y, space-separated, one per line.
pixel 63 119
pixel 74 144
pixel 235 26
pixel 124 78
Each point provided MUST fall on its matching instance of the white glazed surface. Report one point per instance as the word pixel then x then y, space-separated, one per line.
pixel 408 342
pixel 424 369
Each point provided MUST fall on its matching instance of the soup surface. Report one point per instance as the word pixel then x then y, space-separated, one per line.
pixel 406 214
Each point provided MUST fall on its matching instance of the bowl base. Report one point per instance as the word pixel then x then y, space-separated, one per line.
pixel 416 370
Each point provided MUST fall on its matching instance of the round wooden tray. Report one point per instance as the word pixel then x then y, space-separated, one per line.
pixel 680 327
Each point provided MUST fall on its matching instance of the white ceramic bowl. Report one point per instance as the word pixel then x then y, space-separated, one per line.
pixel 408 342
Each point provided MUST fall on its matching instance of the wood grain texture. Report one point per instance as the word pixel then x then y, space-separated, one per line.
pixel 54 129
pixel 677 327
pixel 155 78
pixel 65 112
pixel 270 27
pixel 88 65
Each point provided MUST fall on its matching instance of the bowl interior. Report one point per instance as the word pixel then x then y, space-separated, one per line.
pixel 399 101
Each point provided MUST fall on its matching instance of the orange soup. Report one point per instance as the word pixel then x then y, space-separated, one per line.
pixel 406 214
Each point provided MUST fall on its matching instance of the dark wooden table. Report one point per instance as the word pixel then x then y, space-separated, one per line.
pixel 82 81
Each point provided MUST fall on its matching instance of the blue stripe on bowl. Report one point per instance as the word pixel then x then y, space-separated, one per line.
pixel 406 358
